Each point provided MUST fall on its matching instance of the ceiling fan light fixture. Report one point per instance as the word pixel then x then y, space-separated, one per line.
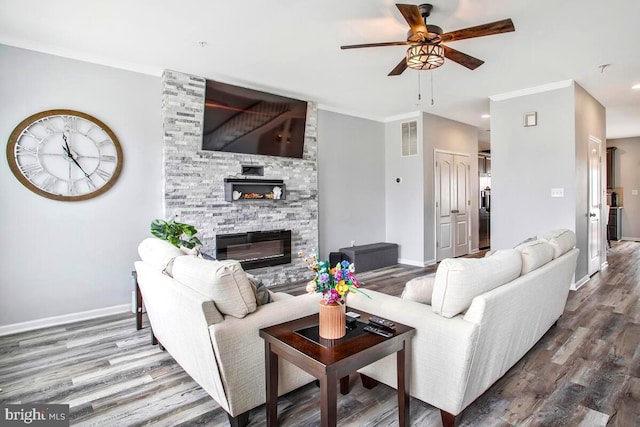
pixel 425 56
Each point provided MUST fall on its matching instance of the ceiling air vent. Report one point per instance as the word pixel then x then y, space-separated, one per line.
pixel 410 138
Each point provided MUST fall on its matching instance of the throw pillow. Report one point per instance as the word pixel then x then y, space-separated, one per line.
pixel 207 256
pixel 562 241
pixel 159 253
pixel 192 251
pixel 534 254
pixel 419 289
pixel 263 296
pixel 527 240
pixel 224 282
pixel 460 280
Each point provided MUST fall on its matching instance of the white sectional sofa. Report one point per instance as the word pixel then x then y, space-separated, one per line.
pixel 476 318
pixel 207 315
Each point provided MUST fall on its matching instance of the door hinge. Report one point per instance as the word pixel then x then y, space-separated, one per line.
pixel 436 204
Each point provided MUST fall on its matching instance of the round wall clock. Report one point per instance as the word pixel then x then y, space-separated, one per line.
pixel 64 155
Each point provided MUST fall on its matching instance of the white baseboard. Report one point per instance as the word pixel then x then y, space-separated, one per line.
pixel 576 285
pixel 63 319
pixel 417 263
pixel 633 239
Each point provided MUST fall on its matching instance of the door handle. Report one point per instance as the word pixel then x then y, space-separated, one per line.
pixel 455 211
pixel 592 214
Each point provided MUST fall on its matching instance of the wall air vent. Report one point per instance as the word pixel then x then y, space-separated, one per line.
pixel 410 138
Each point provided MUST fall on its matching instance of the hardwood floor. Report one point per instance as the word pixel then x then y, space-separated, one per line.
pixel 584 372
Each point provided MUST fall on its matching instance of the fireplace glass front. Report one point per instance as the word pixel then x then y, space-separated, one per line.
pixel 255 249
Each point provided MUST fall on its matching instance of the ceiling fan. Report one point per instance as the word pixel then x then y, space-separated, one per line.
pixel 427 50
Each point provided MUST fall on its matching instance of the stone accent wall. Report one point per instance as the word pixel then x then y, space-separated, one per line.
pixel 194 181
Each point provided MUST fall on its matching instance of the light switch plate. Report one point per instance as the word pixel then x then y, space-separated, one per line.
pixel 634 192
pixel 557 192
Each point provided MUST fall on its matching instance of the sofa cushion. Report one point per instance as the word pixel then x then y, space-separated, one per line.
pixel 158 253
pixel 262 294
pixel 459 280
pixel 225 282
pixel 419 289
pixel 534 254
pixel 562 241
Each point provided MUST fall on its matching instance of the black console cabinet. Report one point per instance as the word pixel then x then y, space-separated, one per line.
pixel 614 226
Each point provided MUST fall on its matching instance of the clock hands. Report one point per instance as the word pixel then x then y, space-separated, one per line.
pixel 67 151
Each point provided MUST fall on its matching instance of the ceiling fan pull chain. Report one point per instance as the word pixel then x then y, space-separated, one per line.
pixel 431 88
pixel 419 89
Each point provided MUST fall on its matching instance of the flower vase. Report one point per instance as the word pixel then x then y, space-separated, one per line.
pixel 332 323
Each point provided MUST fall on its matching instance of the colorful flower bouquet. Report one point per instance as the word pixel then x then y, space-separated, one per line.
pixel 334 282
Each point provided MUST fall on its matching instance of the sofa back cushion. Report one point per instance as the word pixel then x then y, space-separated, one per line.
pixel 225 282
pixel 562 241
pixel 535 254
pixel 460 280
pixel 419 289
pixel 158 253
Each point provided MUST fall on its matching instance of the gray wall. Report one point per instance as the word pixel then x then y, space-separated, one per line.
pixel 627 177
pixel 410 205
pixel 404 201
pixel 447 135
pixel 526 162
pixel 590 121
pixel 60 258
pixel 351 181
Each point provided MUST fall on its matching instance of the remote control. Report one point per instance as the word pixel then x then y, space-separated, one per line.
pixel 352 314
pixel 378 331
pixel 379 321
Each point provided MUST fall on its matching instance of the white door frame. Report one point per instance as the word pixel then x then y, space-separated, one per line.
pixel 594 210
pixel 435 208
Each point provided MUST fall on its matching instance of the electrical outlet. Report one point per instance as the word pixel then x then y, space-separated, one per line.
pixel 634 192
pixel 557 192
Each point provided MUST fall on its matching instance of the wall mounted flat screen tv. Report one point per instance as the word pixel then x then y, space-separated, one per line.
pixel 240 120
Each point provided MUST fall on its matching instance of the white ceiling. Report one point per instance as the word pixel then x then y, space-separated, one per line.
pixel 291 47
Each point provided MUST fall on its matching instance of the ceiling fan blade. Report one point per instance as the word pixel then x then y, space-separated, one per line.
pixel 462 58
pixel 399 69
pixel 498 27
pixel 412 15
pixel 357 46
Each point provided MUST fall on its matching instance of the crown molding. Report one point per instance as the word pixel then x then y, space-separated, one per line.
pixel 411 115
pixel 532 90
pixel 348 112
pixel 84 57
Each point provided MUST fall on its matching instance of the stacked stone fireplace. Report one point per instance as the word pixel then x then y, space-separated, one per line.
pixel 194 182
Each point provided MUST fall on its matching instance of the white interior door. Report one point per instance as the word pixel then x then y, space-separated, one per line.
pixel 452 205
pixel 461 192
pixel 595 235
pixel 444 216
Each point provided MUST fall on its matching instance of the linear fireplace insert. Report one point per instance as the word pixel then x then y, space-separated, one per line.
pixel 255 249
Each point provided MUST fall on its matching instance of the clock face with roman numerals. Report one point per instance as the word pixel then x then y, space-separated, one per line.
pixel 64 155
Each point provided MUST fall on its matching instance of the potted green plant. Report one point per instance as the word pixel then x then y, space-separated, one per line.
pixel 176 233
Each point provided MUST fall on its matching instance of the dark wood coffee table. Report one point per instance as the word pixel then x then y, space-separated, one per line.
pixel 331 361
